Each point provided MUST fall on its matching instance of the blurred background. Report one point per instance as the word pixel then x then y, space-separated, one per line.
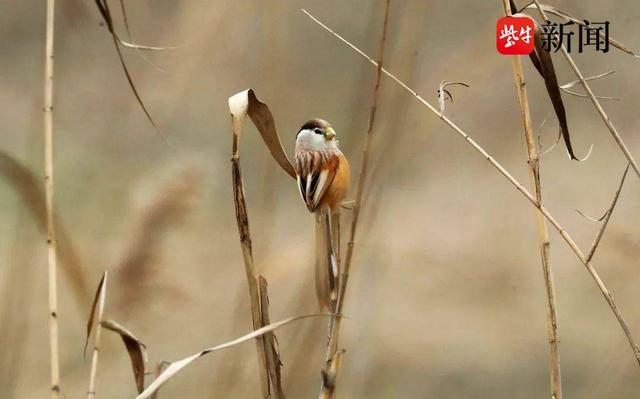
pixel 446 294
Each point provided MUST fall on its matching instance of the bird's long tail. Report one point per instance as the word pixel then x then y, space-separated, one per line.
pixel 327 258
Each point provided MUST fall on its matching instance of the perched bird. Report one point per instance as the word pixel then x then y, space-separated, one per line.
pixel 322 173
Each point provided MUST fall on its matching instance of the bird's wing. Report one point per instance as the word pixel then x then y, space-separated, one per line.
pixel 314 176
pixel 319 180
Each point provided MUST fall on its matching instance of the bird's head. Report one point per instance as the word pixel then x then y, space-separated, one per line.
pixel 316 134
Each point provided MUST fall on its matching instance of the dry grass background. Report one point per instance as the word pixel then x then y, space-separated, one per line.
pixel 446 297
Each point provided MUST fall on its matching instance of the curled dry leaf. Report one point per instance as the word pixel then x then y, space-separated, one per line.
pixel 92 313
pixel 246 103
pixel 135 348
pixel 176 366
pixel 443 93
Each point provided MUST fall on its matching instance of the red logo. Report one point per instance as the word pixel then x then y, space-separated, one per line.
pixel 514 35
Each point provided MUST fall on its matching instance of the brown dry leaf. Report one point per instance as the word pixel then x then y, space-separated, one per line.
pixel 570 18
pixel 135 348
pixel 176 366
pixel 92 314
pixel 542 61
pixel 30 189
pixel 246 102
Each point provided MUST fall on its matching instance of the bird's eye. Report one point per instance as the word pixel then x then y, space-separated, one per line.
pixel 318 131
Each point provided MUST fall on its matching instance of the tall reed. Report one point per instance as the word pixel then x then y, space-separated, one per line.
pixel 48 184
pixel 543 233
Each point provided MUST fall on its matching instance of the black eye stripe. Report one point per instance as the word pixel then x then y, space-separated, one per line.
pixel 318 131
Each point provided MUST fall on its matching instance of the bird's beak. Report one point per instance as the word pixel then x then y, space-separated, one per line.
pixel 330 133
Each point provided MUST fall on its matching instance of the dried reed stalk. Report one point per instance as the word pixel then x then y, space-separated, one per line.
pixel 268 359
pixel 561 230
pixel 48 186
pixel 274 365
pixel 543 233
pixel 596 103
pixel 91 393
pixel 254 293
pixel 333 359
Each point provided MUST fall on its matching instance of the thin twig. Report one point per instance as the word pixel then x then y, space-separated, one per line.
pixel 328 384
pixel 96 345
pixel 543 232
pixel 565 87
pixel 607 216
pixel 596 103
pixel 563 233
pixel 48 187
pixel 573 93
pixel 575 82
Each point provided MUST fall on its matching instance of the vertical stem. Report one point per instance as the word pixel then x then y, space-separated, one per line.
pixel 543 233
pixel 48 185
pixel 254 294
pixel 269 364
pixel 332 346
pixel 91 394
pixel 274 366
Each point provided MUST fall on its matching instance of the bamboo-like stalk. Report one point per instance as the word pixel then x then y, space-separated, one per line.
pixel 556 225
pixel 259 308
pixel 543 233
pixel 594 100
pixel 332 365
pixel 48 186
pixel 91 393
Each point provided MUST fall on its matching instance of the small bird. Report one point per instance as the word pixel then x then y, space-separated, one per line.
pixel 322 173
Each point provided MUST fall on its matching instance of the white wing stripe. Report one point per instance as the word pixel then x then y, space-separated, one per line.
pixel 300 187
pixel 322 180
pixel 309 180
